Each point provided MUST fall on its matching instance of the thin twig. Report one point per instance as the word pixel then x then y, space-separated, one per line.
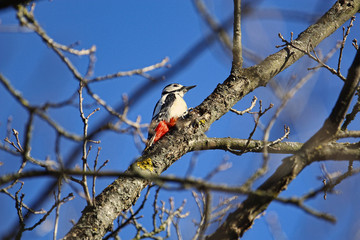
pixel 313 56
pixel 198 202
pixel 139 71
pixel 259 114
pixel 85 153
pixel 207 200
pixel 69 197
pixel 351 116
pixel 253 103
pixel 213 24
pixel 345 35
pixel 57 196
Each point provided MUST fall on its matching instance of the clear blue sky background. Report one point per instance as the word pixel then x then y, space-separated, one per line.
pixel 135 34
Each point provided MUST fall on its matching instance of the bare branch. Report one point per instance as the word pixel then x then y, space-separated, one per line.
pixel 237 47
pixel 57 196
pixel 309 51
pixel 345 35
pixel 241 145
pixel 347 134
pixel 253 103
pixel 217 28
pixel 351 116
pixel 139 71
pixel 85 153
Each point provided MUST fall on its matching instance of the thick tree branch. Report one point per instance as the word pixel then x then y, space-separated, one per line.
pixel 119 196
pixel 241 145
pixel 329 151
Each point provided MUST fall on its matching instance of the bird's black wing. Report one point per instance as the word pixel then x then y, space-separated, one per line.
pixel 170 98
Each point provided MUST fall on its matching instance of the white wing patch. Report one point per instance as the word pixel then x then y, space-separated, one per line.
pixel 158 106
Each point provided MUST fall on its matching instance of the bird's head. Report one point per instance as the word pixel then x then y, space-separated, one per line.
pixel 176 88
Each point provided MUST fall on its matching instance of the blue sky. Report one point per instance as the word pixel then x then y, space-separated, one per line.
pixel 134 34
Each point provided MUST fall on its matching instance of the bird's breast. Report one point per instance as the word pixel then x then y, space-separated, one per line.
pixel 178 108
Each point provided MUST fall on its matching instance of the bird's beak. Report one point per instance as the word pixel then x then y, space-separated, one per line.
pixel 189 87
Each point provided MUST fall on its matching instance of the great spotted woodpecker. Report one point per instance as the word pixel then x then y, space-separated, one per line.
pixel 168 109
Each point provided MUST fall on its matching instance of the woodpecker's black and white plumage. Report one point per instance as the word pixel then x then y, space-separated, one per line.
pixel 168 109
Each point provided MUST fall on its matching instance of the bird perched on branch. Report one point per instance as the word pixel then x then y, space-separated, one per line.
pixel 168 109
